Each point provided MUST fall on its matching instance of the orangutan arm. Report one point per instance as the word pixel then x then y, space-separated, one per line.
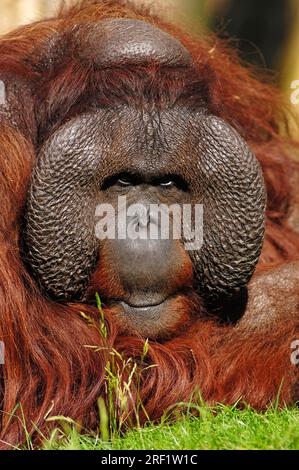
pixel 273 295
pixel 293 218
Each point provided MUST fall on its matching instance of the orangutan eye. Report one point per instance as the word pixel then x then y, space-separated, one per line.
pixel 124 182
pixel 173 181
pixel 167 184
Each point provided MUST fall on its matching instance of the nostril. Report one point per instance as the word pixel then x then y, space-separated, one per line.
pixel 141 219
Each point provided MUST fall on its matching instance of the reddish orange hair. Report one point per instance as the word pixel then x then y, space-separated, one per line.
pixel 48 368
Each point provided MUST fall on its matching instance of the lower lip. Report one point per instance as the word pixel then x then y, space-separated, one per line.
pixel 149 311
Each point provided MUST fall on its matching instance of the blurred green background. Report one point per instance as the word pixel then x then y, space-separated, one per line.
pixel 266 32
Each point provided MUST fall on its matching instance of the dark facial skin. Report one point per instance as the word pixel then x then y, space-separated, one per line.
pixel 151 155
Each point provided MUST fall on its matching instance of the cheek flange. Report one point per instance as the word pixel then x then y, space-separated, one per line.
pixel 60 246
pixel 60 243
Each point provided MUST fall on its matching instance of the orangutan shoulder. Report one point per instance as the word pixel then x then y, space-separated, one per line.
pixel 273 294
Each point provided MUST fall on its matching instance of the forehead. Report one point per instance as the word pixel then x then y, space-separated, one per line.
pixel 128 41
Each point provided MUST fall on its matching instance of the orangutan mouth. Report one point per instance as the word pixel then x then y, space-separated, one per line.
pixel 150 311
pixel 153 318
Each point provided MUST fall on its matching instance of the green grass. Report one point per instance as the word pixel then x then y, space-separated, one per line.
pixel 225 428
pixel 215 428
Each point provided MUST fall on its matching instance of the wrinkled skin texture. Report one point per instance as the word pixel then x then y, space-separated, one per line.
pixel 263 307
pixel 201 150
pixel 103 101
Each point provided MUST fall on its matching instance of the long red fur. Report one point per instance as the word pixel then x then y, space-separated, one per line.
pixel 54 358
